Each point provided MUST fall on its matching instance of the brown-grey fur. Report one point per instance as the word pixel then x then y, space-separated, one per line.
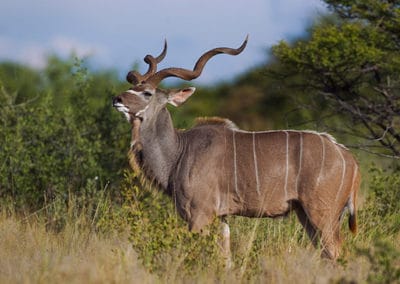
pixel 215 169
pixel 306 171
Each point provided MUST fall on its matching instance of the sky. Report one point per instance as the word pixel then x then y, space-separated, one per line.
pixel 116 34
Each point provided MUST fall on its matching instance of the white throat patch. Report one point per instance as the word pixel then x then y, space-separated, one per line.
pixel 122 108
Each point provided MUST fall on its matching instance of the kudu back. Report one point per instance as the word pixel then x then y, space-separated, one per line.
pixel 215 169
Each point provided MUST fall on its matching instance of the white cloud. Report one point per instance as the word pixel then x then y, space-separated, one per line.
pixel 35 54
pixel 64 46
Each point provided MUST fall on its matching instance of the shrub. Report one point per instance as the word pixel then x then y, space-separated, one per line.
pixel 44 154
pixel 160 237
pixel 52 142
pixel 384 259
pixel 381 211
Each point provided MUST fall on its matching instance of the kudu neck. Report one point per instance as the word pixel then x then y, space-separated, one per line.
pixel 159 145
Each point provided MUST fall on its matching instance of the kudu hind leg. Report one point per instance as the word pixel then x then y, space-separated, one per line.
pixel 329 231
pixel 331 243
pixel 307 225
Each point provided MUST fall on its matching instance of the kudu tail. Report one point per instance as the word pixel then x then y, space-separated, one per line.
pixel 352 204
pixel 353 222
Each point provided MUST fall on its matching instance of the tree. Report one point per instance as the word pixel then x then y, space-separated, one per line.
pixel 353 64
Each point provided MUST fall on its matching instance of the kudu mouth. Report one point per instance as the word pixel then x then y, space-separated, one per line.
pixel 117 103
pixel 119 106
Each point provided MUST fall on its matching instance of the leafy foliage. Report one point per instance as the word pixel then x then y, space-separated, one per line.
pixel 352 62
pixel 52 143
pixel 382 204
pixel 159 235
pixel 385 262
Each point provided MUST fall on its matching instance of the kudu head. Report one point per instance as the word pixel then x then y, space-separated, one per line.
pixel 144 99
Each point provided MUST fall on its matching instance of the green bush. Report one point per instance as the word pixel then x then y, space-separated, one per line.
pixel 385 190
pixel 56 141
pixel 43 154
pixel 382 205
pixel 160 236
pixel 385 262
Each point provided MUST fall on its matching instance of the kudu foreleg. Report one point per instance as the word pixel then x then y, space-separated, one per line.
pixel 225 244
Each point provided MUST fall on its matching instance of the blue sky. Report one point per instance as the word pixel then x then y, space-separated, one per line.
pixel 115 34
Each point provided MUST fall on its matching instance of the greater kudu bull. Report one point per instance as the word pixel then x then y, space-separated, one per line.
pixel 215 169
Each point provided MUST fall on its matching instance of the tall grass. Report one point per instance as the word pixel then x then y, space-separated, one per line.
pixel 30 253
pixel 143 240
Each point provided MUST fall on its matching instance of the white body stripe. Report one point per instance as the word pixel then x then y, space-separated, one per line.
pixel 343 172
pixel 235 163
pixel 255 164
pixel 323 159
pixel 287 163
pixel 300 160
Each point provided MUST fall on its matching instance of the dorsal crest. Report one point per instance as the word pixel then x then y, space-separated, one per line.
pixel 215 121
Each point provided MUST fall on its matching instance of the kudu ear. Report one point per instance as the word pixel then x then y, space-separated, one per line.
pixel 178 97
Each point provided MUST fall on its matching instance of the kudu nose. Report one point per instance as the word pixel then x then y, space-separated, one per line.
pixel 116 100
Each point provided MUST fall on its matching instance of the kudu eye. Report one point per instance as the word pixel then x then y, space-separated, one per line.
pixel 147 94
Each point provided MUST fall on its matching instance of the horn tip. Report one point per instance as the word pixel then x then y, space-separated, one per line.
pixel 244 44
pixel 246 39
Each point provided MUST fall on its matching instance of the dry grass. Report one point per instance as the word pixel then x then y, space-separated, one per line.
pixel 32 254
pixel 263 250
pixel 305 266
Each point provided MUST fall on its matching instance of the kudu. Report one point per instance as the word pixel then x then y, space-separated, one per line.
pixel 215 169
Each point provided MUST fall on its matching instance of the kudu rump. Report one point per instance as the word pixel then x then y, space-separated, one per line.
pixel 215 169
